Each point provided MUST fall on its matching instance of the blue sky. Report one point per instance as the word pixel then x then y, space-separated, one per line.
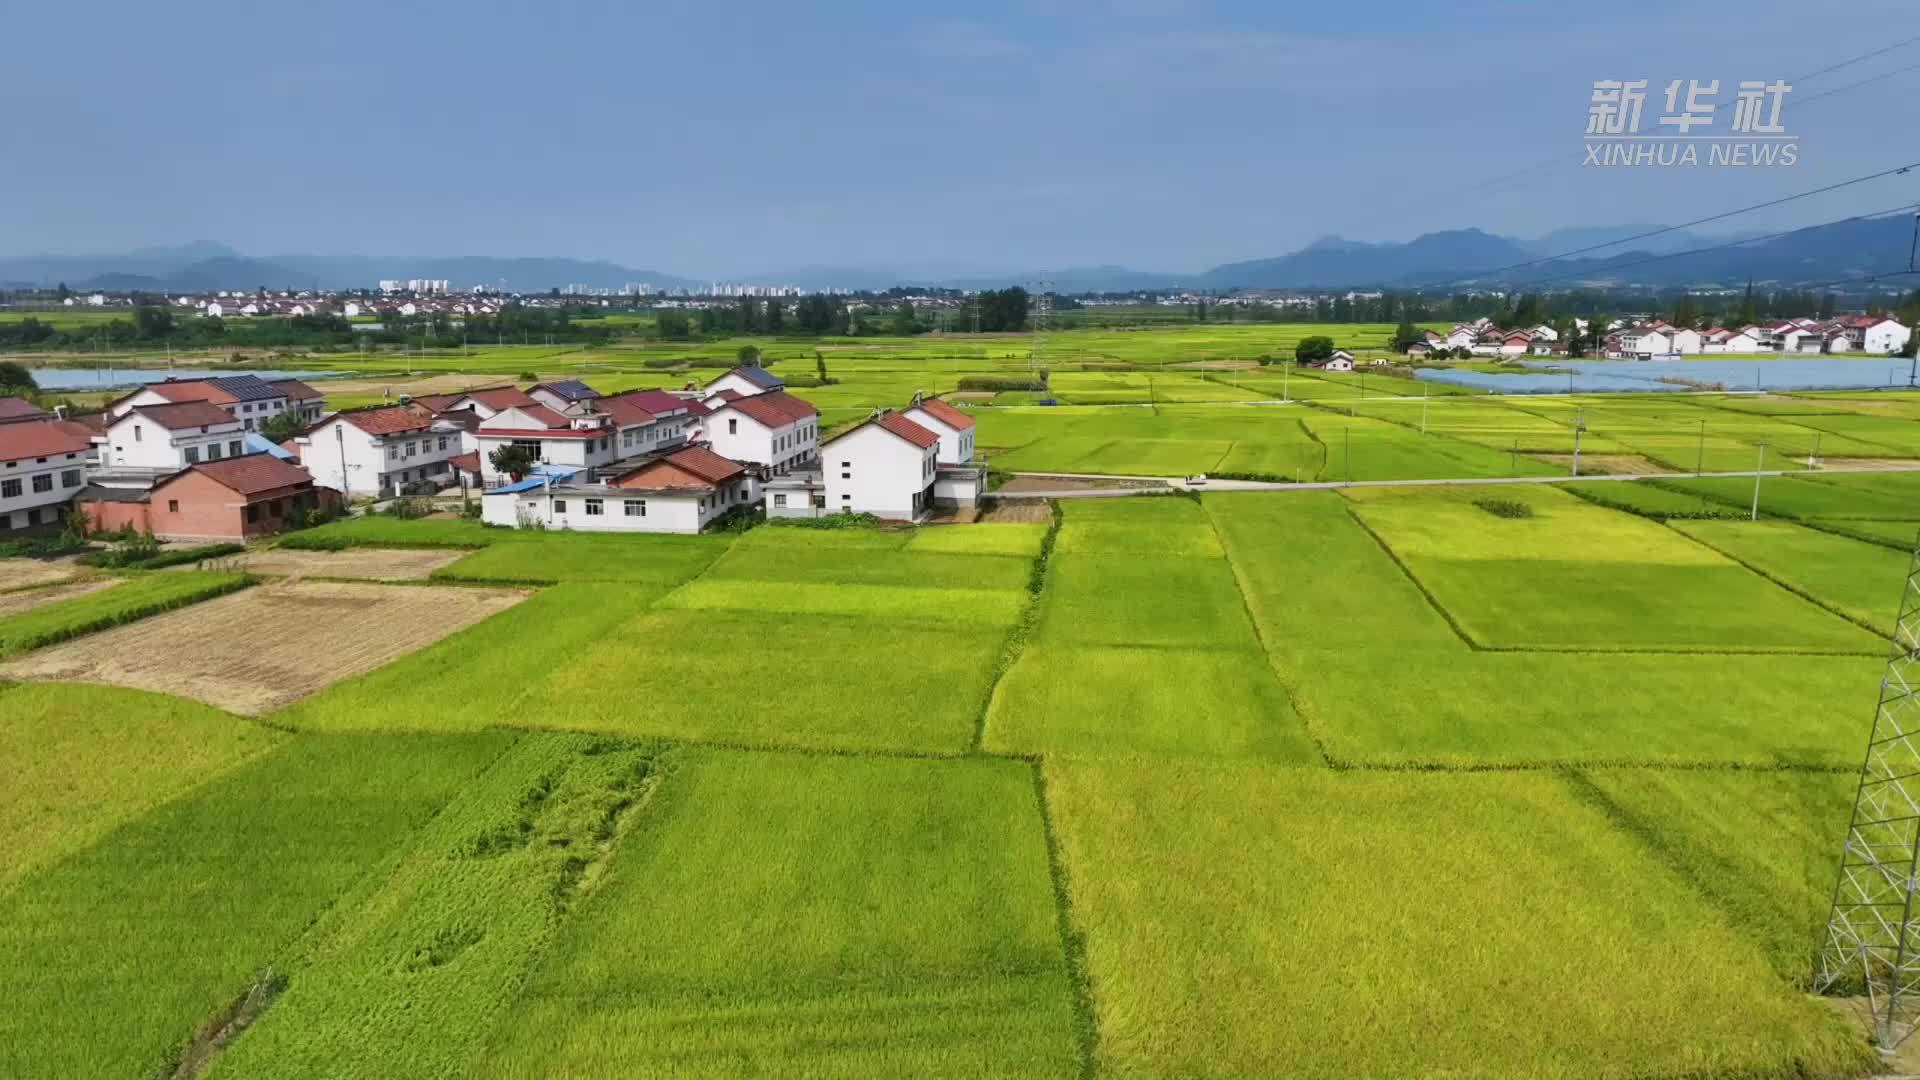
pixel 740 139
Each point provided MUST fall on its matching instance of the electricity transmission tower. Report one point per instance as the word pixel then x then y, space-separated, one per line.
pixel 1872 945
pixel 1042 307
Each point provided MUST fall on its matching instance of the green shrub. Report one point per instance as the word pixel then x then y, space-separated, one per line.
pixel 997 383
pixel 830 521
pixel 1505 508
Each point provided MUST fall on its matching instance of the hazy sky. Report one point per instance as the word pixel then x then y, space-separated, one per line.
pixel 729 138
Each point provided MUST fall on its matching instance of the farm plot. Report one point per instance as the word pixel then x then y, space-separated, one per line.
pixel 407 974
pixel 1225 943
pixel 16 601
pixel 1856 496
pixel 816 916
pixel 1568 575
pixel 1858 580
pixel 72 615
pixel 370 563
pixel 1362 448
pixel 1143 646
pixel 548 557
pixel 1326 597
pixel 1701 823
pixel 262 648
pixel 140 939
pixel 29 573
pixel 77 761
pixel 1166 441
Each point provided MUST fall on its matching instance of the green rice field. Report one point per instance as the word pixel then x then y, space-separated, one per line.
pixel 1476 779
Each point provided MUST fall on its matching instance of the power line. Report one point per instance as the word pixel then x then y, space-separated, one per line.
pixel 1895 171
pixel 1857 59
pixel 1729 244
pixel 1862 82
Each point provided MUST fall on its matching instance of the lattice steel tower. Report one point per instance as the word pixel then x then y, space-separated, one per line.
pixel 1042 306
pixel 1872 945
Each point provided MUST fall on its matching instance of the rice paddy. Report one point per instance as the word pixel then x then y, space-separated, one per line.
pixel 1249 783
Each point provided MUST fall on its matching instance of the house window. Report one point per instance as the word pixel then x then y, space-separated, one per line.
pixel 173 506
pixel 213 451
pixel 193 455
pixel 253 513
pixel 595 507
pixel 70 478
pixel 249 423
pixel 393 453
pixel 233 448
pixel 845 497
pixel 559 506
pixel 10 489
pixel 733 426
pixel 779 500
pixel 43 482
pixel 136 433
pixel 410 449
pixel 819 502
pixel 636 507
pixel 443 442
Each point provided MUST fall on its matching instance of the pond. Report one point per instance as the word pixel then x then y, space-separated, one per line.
pixel 1591 376
pixel 113 378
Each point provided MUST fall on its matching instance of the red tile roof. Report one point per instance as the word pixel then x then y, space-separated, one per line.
pixel 384 419
pixel 12 409
pixel 729 394
pixel 695 467
pixel 42 438
pixel 775 408
pixel 295 389
pixel 626 412
pixel 185 414
pixel 469 461
pixel 657 402
pixel 250 474
pixel 946 413
pixel 183 390
pixel 906 429
pixel 499 397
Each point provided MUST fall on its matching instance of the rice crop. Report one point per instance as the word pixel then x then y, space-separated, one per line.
pixel 408 975
pixel 135 598
pixel 77 761
pixel 378 530
pixel 1861 581
pixel 812 916
pixel 1223 942
pixel 136 942
pixel 548 557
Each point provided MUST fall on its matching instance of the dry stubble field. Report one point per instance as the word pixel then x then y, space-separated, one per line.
pixel 373 564
pixel 255 650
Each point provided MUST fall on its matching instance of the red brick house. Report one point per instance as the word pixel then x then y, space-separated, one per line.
pixel 230 499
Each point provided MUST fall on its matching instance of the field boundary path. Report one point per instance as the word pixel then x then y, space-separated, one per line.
pixel 1175 484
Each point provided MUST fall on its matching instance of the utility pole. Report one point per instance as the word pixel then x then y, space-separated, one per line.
pixel 1700 454
pixel 1347 452
pixel 1286 369
pixel 1758 465
pixel 1426 396
pixel 1579 427
pixel 1813 458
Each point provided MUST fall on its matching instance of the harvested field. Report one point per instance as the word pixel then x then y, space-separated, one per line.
pixel 254 651
pixel 1606 464
pixel 26 573
pixel 12 603
pixel 374 564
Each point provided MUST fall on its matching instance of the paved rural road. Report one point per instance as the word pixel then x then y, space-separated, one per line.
pixel 1174 484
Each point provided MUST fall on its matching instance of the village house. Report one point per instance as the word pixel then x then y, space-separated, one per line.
pixel 1879 334
pixel 248 398
pixel 581 440
pixel 744 381
pixel 771 428
pixel 235 498
pixel 562 395
pixel 1341 360
pixel 15 411
pixel 43 465
pixel 680 492
pixel 886 466
pixel 379 450
pixel 958 479
pixel 165 438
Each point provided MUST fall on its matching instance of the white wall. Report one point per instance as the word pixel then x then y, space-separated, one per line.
pixel 563 509
pixel 63 474
pixel 734 382
pixel 873 471
pixel 1887 337
pixel 956 444
pixel 136 442
pixel 375 465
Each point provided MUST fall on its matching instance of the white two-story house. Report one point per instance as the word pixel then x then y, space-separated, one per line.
pixel 886 466
pixel 43 465
pixel 773 429
pixel 584 439
pixel 379 450
pixel 744 381
pixel 958 479
pixel 247 398
pixel 156 439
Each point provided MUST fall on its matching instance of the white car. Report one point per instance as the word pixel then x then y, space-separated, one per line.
pixel 1197 480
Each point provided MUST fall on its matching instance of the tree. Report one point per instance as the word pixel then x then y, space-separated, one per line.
pixel 776 315
pixel 1312 350
pixel 673 325
pixel 1406 334
pixel 820 366
pixel 1686 313
pixel 514 460
pixel 16 380
pixel 1826 306
pixel 152 323
pixel 62 293
pixel 904 323
pixel 747 356
pixel 282 426
pixel 1748 314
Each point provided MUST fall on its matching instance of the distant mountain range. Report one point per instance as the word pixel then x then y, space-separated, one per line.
pixel 201 266
pixel 1456 258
